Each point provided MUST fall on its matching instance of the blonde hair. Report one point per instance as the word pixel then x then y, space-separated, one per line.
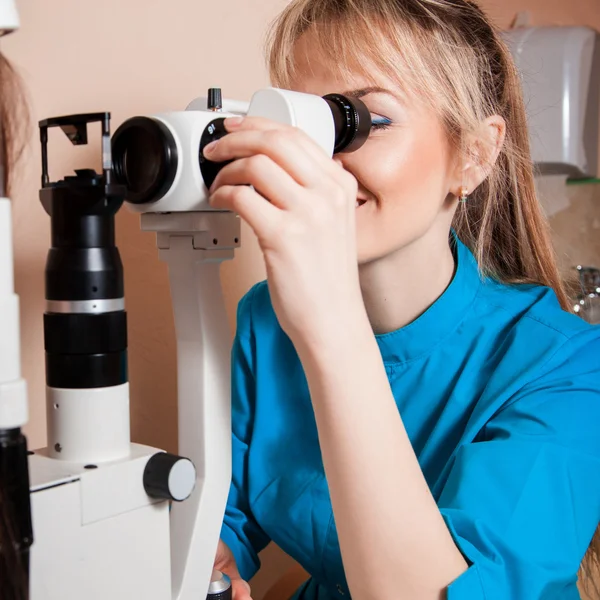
pixel 449 55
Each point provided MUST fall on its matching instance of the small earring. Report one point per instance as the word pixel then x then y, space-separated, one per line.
pixel 464 194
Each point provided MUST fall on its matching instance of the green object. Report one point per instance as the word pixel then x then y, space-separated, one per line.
pixel 583 181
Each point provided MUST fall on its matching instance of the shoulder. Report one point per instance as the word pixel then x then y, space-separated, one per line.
pixel 530 316
pixel 548 360
pixel 521 321
pixel 255 311
pixel 532 304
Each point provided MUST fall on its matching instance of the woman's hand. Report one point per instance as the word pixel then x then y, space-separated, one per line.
pixel 301 207
pixel 224 562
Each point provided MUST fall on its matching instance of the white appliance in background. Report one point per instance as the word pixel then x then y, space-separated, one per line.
pixel 560 70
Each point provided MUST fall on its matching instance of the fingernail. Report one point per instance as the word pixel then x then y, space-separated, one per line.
pixel 232 122
pixel 209 148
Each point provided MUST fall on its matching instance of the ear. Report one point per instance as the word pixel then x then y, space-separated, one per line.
pixel 480 155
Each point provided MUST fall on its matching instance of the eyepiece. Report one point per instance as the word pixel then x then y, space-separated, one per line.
pixel 352 121
pixel 144 159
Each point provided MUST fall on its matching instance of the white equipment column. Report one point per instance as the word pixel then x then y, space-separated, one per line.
pixel 194 245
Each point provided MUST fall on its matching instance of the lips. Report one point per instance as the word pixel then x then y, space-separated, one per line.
pixel 360 202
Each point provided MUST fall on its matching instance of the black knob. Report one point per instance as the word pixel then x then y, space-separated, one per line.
pixel 220 587
pixel 169 477
pixel 215 130
pixel 214 102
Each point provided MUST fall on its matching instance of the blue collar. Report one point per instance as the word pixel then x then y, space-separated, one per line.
pixel 422 335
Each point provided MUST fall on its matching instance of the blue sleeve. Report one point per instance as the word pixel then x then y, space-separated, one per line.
pixel 524 503
pixel 240 531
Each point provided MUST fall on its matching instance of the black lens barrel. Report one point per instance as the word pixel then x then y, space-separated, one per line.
pixel 85 324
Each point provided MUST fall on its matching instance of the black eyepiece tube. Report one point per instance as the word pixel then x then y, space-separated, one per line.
pixel 352 121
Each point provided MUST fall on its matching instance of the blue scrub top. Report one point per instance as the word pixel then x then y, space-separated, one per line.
pixel 499 391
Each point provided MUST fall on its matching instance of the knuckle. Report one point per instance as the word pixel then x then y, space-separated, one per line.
pixel 295 228
pixel 239 192
pixel 280 138
pixel 339 200
pixel 273 137
pixel 258 162
pixel 350 182
pixel 338 197
pixel 347 180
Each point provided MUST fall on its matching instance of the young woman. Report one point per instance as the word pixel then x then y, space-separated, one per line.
pixel 415 413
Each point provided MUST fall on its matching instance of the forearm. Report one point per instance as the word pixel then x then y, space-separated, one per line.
pixel 390 529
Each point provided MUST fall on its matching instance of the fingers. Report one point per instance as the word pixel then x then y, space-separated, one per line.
pixel 225 563
pixel 289 147
pixel 262 124
pixel 240 589
pixel 268 179
pixel 262 216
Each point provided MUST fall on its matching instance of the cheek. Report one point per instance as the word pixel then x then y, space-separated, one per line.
pixel 407 171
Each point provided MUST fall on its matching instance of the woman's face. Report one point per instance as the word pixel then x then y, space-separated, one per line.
pixel 405 170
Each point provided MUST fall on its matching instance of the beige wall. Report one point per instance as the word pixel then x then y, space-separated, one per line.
pixel 142 56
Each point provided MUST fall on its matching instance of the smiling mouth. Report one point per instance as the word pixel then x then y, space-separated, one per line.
pixel 360 202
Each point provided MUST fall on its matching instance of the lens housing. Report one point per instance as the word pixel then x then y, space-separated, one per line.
pixel 85 324
pixel 145 158
pixel 352 121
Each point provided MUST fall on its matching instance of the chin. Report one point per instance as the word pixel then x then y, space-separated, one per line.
pixel 367 256
pixel 372 247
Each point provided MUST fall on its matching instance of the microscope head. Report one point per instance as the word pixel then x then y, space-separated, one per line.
pixel 9 17
pixel 159 158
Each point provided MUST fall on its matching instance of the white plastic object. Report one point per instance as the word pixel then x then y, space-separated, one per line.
pixel 9 17
pixel 235 107
pixel 560 71
pixel 306 111
pixel 186 243
pixel 88 425
pixel 182 479
pixel 13 389
pixel 98 535
pixel 188 192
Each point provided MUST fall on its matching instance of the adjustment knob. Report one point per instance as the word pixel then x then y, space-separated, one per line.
pixel 220 587
pixel 214 101
pixel 169 477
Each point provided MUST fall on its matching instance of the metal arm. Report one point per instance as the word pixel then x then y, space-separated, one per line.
pixel 193 245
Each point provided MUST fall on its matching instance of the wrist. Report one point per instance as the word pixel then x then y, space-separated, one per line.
pixel 342 332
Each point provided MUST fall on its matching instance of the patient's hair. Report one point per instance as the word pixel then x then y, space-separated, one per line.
pixel 14 126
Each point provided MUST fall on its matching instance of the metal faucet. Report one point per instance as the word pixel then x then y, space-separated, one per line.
pixel 588 299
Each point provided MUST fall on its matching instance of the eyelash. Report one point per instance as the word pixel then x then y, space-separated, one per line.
pixel 380 123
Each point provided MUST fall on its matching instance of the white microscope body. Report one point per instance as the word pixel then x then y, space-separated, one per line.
pixel 111 518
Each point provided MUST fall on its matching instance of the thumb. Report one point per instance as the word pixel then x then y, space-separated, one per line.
pixel 240 589
pixel 225 563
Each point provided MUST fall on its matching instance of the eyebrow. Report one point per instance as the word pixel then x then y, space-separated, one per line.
pixel 361 92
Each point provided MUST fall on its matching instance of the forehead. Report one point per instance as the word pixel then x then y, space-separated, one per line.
pixel 320 70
